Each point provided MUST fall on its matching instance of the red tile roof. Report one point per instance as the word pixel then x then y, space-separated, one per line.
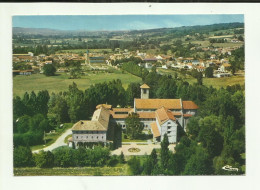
pixel 145 86
pixel 157 103
pixel 189 105
pixel 164 115
pixel 187 115
pixel 146 115
pixel 155 130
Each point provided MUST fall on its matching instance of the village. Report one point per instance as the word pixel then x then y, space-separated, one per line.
pixel 98 61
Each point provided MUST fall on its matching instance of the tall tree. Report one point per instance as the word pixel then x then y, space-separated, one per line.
pixel 134 126
pixel 49 69
pixel 165 153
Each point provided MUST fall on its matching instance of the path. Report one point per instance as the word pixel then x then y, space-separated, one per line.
pixel 57 143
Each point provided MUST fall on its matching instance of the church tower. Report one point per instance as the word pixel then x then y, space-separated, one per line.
pixel 144 91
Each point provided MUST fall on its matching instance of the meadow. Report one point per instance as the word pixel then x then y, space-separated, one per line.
pixel 61 81
pixel 220 82
pixel 214 82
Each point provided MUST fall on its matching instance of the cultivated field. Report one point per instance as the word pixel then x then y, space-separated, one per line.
pixel 121 170
pixel 61 82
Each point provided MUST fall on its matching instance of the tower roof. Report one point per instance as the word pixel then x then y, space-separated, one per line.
pixel 145 86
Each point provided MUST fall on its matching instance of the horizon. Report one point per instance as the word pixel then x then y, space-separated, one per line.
pixel 120 22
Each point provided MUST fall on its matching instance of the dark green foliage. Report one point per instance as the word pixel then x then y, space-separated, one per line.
pixel 193 127
pixel 111 93
pixel 44 159
pixel 77 103
pixel 135 69
pixel 23 157
pixel 209 72
pixel 134 125
pixel 210 135
pixel 150 163
pixel 133 91
pixel 58 109
pixel 121 158
pixel 135 165
pixel 165 153
pixel 199 164
pixel 49 69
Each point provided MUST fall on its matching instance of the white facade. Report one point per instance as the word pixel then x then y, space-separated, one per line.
pixel 169 128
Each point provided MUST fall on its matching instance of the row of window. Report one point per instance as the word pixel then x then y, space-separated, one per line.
pixel 92 137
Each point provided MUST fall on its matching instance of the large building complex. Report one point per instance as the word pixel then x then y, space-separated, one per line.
pixel 161 116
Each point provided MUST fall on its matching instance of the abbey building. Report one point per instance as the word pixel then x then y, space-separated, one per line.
pixel 161 116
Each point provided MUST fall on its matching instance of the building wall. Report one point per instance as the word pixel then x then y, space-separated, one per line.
pixel 89 136
pixel 170 128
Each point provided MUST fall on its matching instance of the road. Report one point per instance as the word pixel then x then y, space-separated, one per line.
pixel 57 143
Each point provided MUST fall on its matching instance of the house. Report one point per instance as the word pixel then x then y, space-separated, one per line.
pixel 94 130
pixel 160 116
pixel 200 68
pixel 225 67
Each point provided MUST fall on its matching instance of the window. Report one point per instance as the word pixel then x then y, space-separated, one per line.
pixel 92 137
pixel 97 137
pixel 102 137
pixel 169 122
pixel 169 127
pixel 77 137
pixel 144 91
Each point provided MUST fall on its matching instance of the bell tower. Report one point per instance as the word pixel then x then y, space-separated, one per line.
pixel 144 91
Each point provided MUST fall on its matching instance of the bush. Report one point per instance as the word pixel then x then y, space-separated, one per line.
pixel 23 157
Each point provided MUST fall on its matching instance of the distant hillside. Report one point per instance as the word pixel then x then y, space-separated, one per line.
pixel 35 31
pixel 198 28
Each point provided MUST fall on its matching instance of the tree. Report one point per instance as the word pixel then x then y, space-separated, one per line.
pixel 121 158
pixel 193 127
pixel 199 78
pixel 199 164
pixel 165 152
pixel 23 157
pixel 133 91
pixel 134 126
pixel 209 135
pixel 44 159
pixel 49 70
pixel 42 102
pixel 135 166
pixel 209 72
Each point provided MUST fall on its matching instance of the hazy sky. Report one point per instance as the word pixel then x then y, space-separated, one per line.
pixel 122 22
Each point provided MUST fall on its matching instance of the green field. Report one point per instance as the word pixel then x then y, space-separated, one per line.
pixel 120 170
pixel 37 82
pixel 220 82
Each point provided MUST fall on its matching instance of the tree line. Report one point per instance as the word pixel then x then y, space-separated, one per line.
pixel 66 157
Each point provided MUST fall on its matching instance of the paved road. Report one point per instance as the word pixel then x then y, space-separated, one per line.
pixel 57 143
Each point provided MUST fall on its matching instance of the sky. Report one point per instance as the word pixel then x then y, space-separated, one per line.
pixel 121 22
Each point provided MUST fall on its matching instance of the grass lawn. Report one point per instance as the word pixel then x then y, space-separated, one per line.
pixel 120 170
pixel 220 82
pixel 37 82
pixel 51 138
pixel 143 138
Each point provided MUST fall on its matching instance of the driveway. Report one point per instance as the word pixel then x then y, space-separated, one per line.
pixel 57 143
